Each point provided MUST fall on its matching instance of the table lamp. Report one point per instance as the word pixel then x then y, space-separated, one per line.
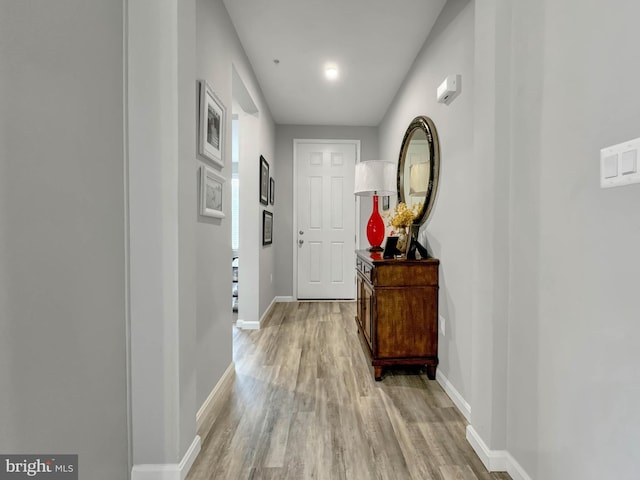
pixel 374 178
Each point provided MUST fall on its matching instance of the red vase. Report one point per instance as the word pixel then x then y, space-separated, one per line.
pixel 375 228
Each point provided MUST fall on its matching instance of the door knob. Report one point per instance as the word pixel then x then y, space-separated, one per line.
pixel 300 242
pixel 301 232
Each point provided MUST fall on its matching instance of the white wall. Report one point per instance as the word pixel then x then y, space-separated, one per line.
pixel 267 277
pixel 162 207
pixel 180 261
pixel 283 221
pixel 449 231
pixel 490 255
pixel 539 265
pixel 213 236
pixel 187 207
pixel 62 233
pixel 574 384
pixel 64 240
pixel 218 50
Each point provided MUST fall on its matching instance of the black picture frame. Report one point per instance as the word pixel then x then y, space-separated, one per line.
pixel 264 181
pixel 414 245
pixel 272 188
pixel 385 202
pixel 390 248
pixel 267 227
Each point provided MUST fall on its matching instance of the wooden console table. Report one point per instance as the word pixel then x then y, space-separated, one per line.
pixel 397 315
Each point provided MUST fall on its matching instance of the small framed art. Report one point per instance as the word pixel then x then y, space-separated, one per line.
pixel 211 193
pixel 267 227
pixel 264 181
pixel 391 248
pixel 212 123
pixel 272 190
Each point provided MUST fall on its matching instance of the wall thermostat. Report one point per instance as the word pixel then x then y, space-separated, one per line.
pixel 449 89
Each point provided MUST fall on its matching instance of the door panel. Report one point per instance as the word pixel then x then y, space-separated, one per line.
pixel 325 222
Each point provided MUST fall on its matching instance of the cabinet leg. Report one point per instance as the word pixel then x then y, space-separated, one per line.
pixel 431 372
pixel 377 373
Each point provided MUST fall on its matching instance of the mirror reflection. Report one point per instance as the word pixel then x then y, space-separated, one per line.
pixel 416 170
pixel 419 167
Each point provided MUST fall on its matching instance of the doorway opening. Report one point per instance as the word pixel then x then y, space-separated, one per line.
pixel 245 211
pixel 235 214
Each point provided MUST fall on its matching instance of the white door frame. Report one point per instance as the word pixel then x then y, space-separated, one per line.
pixel 249 245
pixel 294 237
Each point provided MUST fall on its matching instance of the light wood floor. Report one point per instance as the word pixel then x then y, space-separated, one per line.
pixel 304 405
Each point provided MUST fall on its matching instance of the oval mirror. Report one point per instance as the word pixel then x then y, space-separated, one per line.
pixel 419 167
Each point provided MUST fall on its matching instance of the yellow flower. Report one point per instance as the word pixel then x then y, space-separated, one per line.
pixel 403 215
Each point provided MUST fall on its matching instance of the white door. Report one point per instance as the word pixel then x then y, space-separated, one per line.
pixel 326 219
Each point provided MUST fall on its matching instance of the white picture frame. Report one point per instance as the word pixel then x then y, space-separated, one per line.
pixel 211 131
pixel 211 193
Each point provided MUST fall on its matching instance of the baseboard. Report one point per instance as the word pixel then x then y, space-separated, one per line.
pixel 253 325
pixel 245 325
pixel 267 311
pixel 248 325
pixel 454 395
pixel 283 299
pixel 169 471
pixel 227 376
pixel 515 470
pixel 495 460
pixel 327 300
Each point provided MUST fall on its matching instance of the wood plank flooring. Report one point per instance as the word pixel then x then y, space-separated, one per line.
pixel 304 405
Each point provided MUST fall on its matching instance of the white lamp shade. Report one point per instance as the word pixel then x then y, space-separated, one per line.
pixel 375 177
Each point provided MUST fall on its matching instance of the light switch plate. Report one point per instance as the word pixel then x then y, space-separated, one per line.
pixel 629 162
pixel 610 166
pixel 619 164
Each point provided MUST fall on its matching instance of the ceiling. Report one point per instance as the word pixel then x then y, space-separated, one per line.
pixel 372 42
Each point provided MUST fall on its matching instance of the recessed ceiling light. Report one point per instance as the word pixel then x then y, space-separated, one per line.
pixel 331 72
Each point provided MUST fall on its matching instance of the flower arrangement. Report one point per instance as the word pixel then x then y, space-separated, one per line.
pixel 401 220
pixel 403 216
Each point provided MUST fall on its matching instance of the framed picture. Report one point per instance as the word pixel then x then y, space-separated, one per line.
pixel 413 244
pixel 385 202
pixel 272 188
pixel 211 193
pixel 212 123
pixel 264 181
pixel 267 227
pixel 391 248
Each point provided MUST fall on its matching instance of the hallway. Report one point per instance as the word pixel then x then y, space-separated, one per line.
pixel 303 404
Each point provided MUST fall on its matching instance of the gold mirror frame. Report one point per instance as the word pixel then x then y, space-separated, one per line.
pixel 426 126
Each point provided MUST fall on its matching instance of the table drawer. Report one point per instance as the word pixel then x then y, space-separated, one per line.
pixel 365 269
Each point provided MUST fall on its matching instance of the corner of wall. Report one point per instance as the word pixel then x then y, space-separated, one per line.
pixel 169 471
pixel 495 460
